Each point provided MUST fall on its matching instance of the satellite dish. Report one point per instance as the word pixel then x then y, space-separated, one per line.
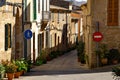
pixel 2 2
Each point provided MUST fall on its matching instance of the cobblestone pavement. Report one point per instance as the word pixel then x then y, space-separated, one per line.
pixel 66 67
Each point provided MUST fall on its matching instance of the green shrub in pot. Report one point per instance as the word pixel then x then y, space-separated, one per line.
pixel 2 71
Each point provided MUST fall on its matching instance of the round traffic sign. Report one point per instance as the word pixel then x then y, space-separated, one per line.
pixel 28 34
pixel 97 36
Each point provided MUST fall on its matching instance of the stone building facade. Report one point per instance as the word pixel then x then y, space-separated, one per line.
pixel 55 34
pixel 36 17
pixel 104 17
pixel 75 25
pixel 8 23
pixel 64 26
pixel 62 30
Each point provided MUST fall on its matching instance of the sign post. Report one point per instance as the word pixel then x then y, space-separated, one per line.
pixel 97 37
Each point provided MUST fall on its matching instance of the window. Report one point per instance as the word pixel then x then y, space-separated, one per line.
pixel 38 6
pixel 58 43
pixel 7 36
pixel 47 39
pixel 55 38
pixel 112 16
pixel 34 10
pixel 25 10
pixel 51 41
pixel 58 17
pixel 39 46
pixel 52 16
pixel 43 5
pixel 42 40
pixel 62 16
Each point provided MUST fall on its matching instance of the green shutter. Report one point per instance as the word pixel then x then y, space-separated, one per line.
pixel 6 37
pixel 25 4
pixel 34 10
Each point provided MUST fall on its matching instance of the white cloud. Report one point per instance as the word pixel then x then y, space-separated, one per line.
pixel 81 0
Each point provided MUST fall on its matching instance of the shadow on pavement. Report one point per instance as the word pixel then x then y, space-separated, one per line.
pixel 65 72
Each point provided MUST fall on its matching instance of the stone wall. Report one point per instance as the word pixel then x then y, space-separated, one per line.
pixel 76 16
pixel 111 34
pixel 6 16
pixel 96 12
pixel 56 27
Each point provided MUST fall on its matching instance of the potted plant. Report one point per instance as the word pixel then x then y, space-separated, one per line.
pixel 10 69
pixel 24 66
pixel 2 71
pixel 80 52
pixel 114 56
pixel 41 59
pixel 48 58
pixel 82 58
pixel 116 72
pixel 28 64
pixel 103 54
pixel 19 68
pixel 5 63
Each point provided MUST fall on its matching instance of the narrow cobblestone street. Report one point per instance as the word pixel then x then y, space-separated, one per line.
pixel 33 32
pixel 65 62
pixel 66 67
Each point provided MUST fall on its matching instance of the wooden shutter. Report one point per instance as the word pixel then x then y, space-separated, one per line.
pixel 9 35
pixel 42 40
pixel 34 10
pixel 47 39
pixel 6 37
pixel 112 18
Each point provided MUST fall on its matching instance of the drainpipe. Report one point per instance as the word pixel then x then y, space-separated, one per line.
pixel 22 16
pixel 23 23
pixel 24 40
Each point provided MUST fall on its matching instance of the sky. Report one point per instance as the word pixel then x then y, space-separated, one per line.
pixel 81 0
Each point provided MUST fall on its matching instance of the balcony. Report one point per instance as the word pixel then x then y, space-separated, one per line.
pixel 45 19
pixel 45 16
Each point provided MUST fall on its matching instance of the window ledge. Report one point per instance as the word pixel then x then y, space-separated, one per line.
pixel 113 26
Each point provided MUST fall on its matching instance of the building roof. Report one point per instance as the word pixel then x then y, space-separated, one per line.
pixel 83 5
pixel 57 7
pixel 60 3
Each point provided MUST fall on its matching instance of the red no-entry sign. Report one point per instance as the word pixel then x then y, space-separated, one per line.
pixel 97 36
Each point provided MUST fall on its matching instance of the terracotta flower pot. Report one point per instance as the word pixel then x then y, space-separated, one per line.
pixel 104 61
pixel 17 74
pixel 48 58
pixel 22 72
pixel 2 76
pixel 78 59
pixel 114 61
pixel 10 76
